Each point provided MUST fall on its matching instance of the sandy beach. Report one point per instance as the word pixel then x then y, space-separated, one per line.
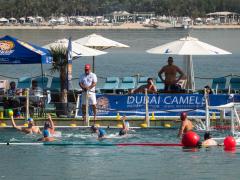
pixel 120 26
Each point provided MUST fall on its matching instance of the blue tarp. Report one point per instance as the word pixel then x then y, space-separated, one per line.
pixel 14 51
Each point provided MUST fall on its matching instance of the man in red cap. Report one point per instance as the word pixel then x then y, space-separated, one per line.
pixel 186 124
pixel 88 82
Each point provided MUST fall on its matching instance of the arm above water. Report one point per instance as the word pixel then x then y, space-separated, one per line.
pixel 14 124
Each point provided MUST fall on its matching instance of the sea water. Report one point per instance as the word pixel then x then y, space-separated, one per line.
pixel 114 162
pixel 134 60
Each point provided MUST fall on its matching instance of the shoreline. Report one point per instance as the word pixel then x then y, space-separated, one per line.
pixel 125 26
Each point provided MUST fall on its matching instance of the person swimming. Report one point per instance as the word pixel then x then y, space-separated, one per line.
pixel 46 136
pixel 125 127
pixel 31 129
pixel 208 141
pixel 99 131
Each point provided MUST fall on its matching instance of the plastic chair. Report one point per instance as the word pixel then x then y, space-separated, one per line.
pixel 127 83
pixel 111 83
pixel 42 82
pixel 24 82
pixel 159 84
pixel 234 84
pixel 218 84
pixel 142 81
pixel 55 84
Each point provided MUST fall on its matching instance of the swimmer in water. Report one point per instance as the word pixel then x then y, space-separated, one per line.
pixel 186 124
pixel 208 141
pixel 48 130
pixel 100 132
pixel 31 129
pixel 125 127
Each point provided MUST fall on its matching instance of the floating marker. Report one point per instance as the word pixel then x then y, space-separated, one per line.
pixel 144 125
pixel 118 116
pixel 153 116
pixel 119 125
pixel 72 125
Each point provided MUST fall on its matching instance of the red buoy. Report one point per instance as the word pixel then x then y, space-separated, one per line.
pixel 190 139
pixel 229 142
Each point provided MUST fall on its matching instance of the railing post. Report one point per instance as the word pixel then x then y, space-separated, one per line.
pixel 146 108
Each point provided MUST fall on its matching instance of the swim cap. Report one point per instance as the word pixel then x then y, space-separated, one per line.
pixel 183 116
pixel 122 132
pixel 46 133
pixel 30 119
pixel 102 132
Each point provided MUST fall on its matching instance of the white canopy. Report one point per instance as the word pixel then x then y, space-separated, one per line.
pixel 188 46
pixel 77 49
pixel 99 42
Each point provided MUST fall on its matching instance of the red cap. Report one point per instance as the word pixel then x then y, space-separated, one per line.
pixel 87 66
pixel 183 116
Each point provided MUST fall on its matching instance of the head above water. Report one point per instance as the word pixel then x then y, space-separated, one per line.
pixel 94 129
pixel 47 125
pixel 183 116
pixel 207 135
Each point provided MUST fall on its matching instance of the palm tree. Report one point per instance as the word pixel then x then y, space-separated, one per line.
pixel 60 65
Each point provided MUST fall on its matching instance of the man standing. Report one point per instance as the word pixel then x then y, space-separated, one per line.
pixel 170 71
pixel 87 82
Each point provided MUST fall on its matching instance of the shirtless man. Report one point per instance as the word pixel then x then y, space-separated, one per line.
pixel 151 88
pixel 186 124
pixel 170 71
pixel 31 129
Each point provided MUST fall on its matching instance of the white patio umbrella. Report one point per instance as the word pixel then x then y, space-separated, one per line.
pixel 187 47
pixel 77 49
pixel 99 42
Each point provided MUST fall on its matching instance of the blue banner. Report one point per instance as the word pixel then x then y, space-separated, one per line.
pixel 159 104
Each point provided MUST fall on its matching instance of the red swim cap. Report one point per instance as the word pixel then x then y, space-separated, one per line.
pixel 183 116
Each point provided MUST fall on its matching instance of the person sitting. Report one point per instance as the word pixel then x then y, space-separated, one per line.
pixel 12 102
pixel 125 127
pixel 208 90
pixel 151 88
pixel 31 129
pixel 186 124
pixel 35 94
pixel 208 141
pixel 171 80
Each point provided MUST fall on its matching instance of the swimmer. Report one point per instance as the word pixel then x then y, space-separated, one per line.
pixel 208 141
pixel 125 127
pixel 46 136
pixel 49 125
pixel 31 129
pixel 100 132
pixel 186 124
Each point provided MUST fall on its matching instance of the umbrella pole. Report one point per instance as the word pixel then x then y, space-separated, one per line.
pixel 93 64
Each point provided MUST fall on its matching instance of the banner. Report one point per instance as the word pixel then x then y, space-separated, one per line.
pixel 161 104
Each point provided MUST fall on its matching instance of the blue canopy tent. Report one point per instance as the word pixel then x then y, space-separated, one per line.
pixel 14 51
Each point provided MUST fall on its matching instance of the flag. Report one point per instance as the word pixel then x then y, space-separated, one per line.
pixel 69 58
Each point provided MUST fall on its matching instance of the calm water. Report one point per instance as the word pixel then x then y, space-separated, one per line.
pixel 135 60
pixel 112 162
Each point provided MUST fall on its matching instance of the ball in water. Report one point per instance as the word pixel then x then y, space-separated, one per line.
pixel 190 139
pixel 229 142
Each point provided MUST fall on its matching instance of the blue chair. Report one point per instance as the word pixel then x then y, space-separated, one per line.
pixel 142 81
pixel 24 82
pixel 219 84
pixel 56 84
pixel 234 84
pixel 42 82
pixel 111 83
pixel 159 84
pixel 128 83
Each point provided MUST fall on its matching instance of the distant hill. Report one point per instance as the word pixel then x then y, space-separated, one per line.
pixel 46 8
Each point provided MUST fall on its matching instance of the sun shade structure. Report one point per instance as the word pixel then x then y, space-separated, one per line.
pixel 77 49
pixel 14 51
pixel 99 42
pixel 187 47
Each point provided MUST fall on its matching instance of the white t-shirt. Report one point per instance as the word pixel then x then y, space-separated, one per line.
pixel 87 80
